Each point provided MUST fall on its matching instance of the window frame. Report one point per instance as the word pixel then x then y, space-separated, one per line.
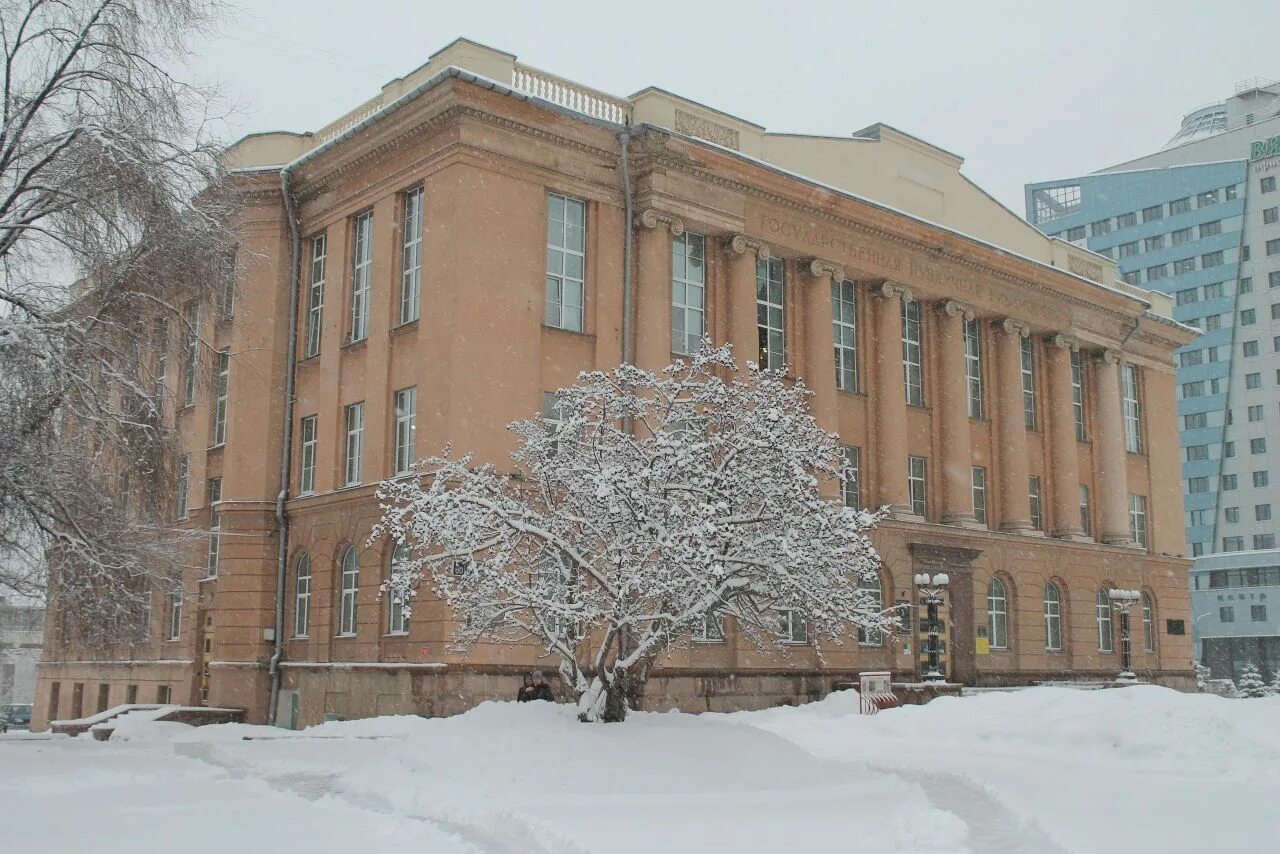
pixel 397 619
pixel 1103 616
pixel 1148 623
pixel 688 293
pixel 998 613
pixel 912 352
pixel 872 637
pixel 405 407
pixel 973 367
pixel 1138 520
pixel 769 286
pixel 978 489
pixel 302 597
pixel 1027 367
pixel 851 485
pixel 1131 400
pixel 308 446
pixel 361 276
pixel 411 254
pixel 918 485
pixel 559 312
pixel 315 295
pixel 348 593
pixel 214 493
pixel 222 387
pixel 1052 617
pixel 353 452
pixel 844 325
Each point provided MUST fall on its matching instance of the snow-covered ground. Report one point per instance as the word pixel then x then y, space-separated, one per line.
pixel 1041 770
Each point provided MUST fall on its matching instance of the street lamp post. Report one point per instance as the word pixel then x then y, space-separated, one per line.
pixel 931 590
pixel 1123 600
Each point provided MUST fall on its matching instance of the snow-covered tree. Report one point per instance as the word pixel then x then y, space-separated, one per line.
pixel 1203 675
pixel 647 510
pixel 1274 687
pixel 109 178
pixel 1251 683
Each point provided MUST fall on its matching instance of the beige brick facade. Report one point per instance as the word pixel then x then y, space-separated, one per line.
pixel 481 355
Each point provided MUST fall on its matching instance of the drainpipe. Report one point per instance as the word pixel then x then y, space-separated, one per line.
pixel 286 446
pixel 628 354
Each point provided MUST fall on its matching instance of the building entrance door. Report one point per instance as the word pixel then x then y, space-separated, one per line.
pixel 956 613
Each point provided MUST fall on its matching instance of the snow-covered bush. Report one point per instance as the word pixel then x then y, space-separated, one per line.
pixel 652 507
pixel 1203 675
pixel 1251 684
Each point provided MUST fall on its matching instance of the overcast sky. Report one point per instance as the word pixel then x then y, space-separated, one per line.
pixel 1023 90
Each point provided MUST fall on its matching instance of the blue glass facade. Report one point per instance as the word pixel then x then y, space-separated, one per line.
pixel 1176 230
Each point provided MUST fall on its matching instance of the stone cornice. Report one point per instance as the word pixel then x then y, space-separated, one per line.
pixel 652 218
pixel 954 308
pixel 672 160
pixel 1011 326
pixel 740 244
pixel 819 267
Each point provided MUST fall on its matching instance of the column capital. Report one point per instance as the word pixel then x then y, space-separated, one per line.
pixel 1108 357
pixel 954 308
pixel 653 218
pixel 819 267
pixel 890 290
pixel 1066 342
pixel 740 244
pixel 1011 326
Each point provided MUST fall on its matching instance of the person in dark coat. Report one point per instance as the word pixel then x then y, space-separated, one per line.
pixel 535 688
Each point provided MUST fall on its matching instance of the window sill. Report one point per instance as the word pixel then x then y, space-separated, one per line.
pixel 852 392
pixel 308 494
pixel 574 332
pixel 347 486
pixel 794 643
pixel 355 345
pixel 307 361
pixel 207 578
pixel 344 635
pixel 300 637
pixel 404 327
pixel 396 635
pixel 709 641
pixel 217 447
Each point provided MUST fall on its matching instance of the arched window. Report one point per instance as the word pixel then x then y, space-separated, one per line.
pixel 302 597
pixel 1106 641
pixel 872 637
pixel 1052 617
pixel 397 619
pixel 350 567
pixel 1148 625
pixel 998 614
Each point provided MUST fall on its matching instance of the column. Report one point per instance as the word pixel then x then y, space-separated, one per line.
pixel 1064 463
pixel 819 342
pixel 890 400
pixel 743 252
pixel 1015 497
pixel 652 333
pixel 953 402
pixel 1113 486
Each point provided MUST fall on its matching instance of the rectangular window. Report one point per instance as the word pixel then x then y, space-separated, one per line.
pixel 1258 613
pixel 1203 200
pixel 1262 542
pixel 1188 296
pixel 1267 185
pixel 1231 515
pixel 1212 322
pixel 184 475
pixel 1131 278
pixel 1138 519
pixel 1037 510
pixel 1273 279
pixel 1230 482
pixel 1196 421
pixel 1086 512
pixel 229 284
pixel 1157 272
pixel 980 494
pixel 1253 381
pixel 1226 613
pixel 1182 235
pixel 771 313
pixel 1132 410
pixel 1153 243
pixel 1195 453
pixel 191 365
pixel 791 627
pixel 307 475
pixel 1077 394
pixel 1254 413
pixel 1028 383
pixel 1197 485
pixel 912 363
pixel 215 527
pixel 917 484
pixel 1099 228
pixel 1261 479
pixel 1153 213
pixel 566 262
pixel 710 629
pixel 315 295
pixel 1209 229
pixel 844 328
pixel 411 257
pixel 350 592
pixel 1270 215
pixel 1186 265
pixel 175 615
pixel 1177 206
pixel 1233 544
pixel 302 598
pixel 1275 311
pixel 1191 358
pixel 1126 220
pixel 361 276
pixel 1214 291
pixel 1230 193
pixel 1128 250
pixel 406 428
pixel 850 487
pixel 1211 259
pixel 1249 348
pixel 1262 512
pixel 1075 233
pixel 353 462
pixel 220 400
pixel 973 365
pixel 1273 246
pixel 689 293
pixel 1193 389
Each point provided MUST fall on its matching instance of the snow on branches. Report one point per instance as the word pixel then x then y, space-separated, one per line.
pixel 651 507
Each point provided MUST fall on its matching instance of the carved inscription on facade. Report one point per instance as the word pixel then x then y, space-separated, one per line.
pixel 697 126
pixel 1089 269
pixel 865 256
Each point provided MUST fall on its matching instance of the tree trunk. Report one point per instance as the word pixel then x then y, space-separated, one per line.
pixel 615 698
